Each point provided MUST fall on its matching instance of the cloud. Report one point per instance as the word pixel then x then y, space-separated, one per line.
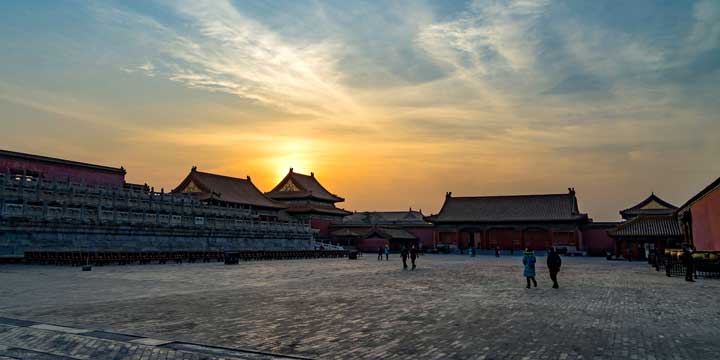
pixel 228 52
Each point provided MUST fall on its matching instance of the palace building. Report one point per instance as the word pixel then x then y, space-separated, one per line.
pixel 45 168
pixel 366 230
pixel 700 218
pixel 510 222
pixel 229 191
pixel 307 200
pixel 650 226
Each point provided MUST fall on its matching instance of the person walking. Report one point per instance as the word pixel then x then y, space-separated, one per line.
pixel 413 256
pixel 497 251
pixel 380 253
pixel 529 271
pixel 554 262
pixel 404 255
pixel 387 253
pixel 687 261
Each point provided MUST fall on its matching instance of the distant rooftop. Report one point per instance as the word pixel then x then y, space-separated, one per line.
pixel 58 161
pixel 652 205
pixel 365 218
pixel 205 186
pixel 300 186
pixel 508 208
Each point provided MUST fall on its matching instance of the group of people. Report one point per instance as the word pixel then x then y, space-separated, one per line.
pixel 405 253
pixel 553 263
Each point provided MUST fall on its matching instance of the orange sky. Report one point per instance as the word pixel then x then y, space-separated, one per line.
pixel 391 105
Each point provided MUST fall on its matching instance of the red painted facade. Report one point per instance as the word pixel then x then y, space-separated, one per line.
pixel 372 244
pixel 507 238
pixel 706 222
pixel 321 225
pixel 62 172
pixel 424 235
pixel 596 241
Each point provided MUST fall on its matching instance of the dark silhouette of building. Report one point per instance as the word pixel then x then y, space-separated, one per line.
pixel 700 218
pixel 229 192
pixel 37 167
pixel 510 222
pixel 650 226
pixel 307 200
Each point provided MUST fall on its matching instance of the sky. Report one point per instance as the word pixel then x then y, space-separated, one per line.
pixel 390 103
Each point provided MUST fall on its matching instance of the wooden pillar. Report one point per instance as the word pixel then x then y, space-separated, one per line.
pixel 579 239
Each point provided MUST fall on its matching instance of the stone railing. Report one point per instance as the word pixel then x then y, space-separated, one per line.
pixel 28 199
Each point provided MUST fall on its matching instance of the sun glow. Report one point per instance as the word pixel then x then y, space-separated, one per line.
pixel 293 154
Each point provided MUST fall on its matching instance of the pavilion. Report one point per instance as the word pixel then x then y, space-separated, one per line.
pixel 650 226
pixel 511 222
pixel 307 200
pixel 231 192
pixel 361 223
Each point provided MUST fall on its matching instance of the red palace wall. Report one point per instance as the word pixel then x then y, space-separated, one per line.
pixel 597 241
pixel 537 239
pixel 706 222
pixel 372 244
pixel 507 239
pixel 323 226
pixel 424 235
pixel 63 172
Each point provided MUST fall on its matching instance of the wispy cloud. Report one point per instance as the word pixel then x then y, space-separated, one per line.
pixel 222 50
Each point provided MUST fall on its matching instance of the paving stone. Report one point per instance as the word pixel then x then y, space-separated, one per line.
pixel 64 329
pixel 150 341
pixel 450 307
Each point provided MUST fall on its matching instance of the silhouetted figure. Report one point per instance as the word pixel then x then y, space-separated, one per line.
pixel 687 261
pixel 497 251
pixel 554 262
pixel 413 256
pixel 380 253
pixel 529 271
pixel 387 253
pixel 404 255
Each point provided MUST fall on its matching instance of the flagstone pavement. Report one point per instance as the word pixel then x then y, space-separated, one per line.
pixel 451 307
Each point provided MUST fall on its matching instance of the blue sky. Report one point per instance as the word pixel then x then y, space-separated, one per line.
pixel 393 102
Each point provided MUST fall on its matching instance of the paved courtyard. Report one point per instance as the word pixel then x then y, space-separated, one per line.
pixel 451 307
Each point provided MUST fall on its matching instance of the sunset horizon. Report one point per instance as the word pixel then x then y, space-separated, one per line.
pixel 390 106
pixel 359 179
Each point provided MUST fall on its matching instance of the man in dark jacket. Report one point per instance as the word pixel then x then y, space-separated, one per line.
pixel 687 261
pixel 413 256
pixel 404 255
pixel 554 262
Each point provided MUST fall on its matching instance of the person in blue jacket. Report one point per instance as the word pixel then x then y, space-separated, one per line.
pixel 529 271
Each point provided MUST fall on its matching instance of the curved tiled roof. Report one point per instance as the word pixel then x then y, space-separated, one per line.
pixel 642 208
pixel 390 233
pixel 648 226
pixel 51 160
pixel 226 188
pixel 307 186
pixel 310 208
pixel 550 207
pixel 385 218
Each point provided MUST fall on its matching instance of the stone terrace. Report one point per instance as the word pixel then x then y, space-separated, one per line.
pixel 451 307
